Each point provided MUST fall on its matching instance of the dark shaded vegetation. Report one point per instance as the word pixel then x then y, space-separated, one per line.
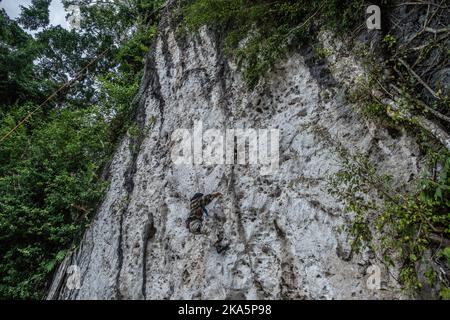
pixel 51 167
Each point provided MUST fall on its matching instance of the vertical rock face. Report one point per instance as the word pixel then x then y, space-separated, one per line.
pixel 283 228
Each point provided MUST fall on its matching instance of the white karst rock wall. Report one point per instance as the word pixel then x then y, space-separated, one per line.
pixel 283 228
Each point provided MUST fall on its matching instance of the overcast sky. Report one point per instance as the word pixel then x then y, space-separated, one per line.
pixel 57 13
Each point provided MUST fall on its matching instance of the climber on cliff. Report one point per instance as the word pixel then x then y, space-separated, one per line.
pixel 195 220
pixel 198 207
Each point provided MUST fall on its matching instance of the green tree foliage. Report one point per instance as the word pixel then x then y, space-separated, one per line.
pixel 49 187
pixel 36 16
pixel 257 32
pixel 51 167
pixel 398 224
pixel 19 80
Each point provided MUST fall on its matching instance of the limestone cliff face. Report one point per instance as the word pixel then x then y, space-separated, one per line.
pixel 283 228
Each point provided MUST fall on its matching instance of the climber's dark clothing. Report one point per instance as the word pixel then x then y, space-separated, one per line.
pixel 198 204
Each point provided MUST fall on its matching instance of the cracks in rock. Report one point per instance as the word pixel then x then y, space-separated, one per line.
pixel 201 75
pixel 150 85
pixel 134 147
pixel 288 282
pixel 154 84
pixel 222 70
pixel 168 61
pixel 280 232
pixel 240 226
pixel 328 210
pixel 135 142
pixel 149 234
pixel 79 251
pixel 220 78
pixel 345 253
pixel 236 208
pixel 61 278
pixel 150 82
pixel 318 69
pixel 119 295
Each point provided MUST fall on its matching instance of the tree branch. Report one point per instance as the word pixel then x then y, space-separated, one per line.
pixel 433 93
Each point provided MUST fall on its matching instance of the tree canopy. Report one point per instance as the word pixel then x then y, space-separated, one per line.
pixel 51 167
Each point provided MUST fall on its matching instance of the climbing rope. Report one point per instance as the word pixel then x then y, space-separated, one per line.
pixel 65 85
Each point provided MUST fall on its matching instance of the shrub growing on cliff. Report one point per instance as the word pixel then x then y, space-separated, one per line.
pixel 257 33
pixel 400 225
